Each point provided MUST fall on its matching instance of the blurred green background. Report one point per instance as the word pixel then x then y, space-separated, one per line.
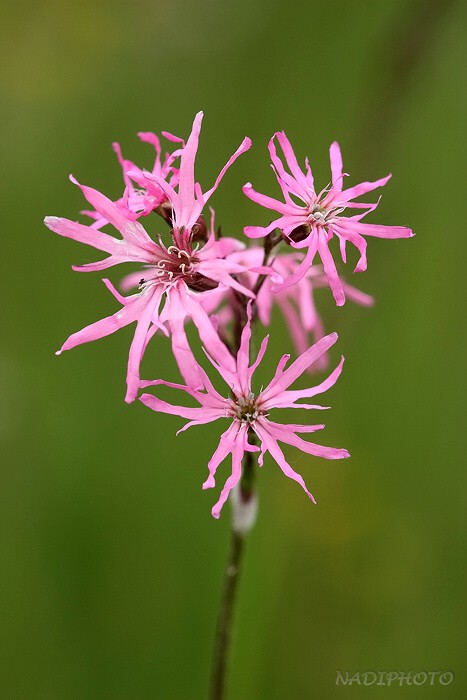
pixel 111 562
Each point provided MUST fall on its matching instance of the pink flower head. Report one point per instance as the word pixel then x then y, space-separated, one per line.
pixel 248 413
pixel 142 201
pixel 177 274
pixel 311 225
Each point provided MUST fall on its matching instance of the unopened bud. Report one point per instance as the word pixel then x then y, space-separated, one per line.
pixel 244 510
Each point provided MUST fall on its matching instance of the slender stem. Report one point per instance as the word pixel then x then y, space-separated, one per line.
pixel 231 576
pixel 224 622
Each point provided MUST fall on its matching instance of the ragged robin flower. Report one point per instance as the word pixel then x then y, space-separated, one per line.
pixel 248 412
pixel 173 277
pixel 309 220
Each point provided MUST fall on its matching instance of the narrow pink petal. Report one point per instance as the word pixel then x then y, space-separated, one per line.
pixel 224 448
pixel 259 357
pixel 302 268
pixel 264 303
pixel 243 354
pixel 377 230
pixel 306 304
pixel 280 432
pixel 186 189
pixel 330 270
pixel 121 299
pixel 296 369
pixel 342 247
pixel 208 415
pixel 347 232
pixel 298 188
pixel 170 137
pixel 238 450
pixel 187 364
pixel 291 159
pixel 285 402
pixel 210 399
pixel 269 443
pixel 287 398
pixel 336 165
pixel 294 428
pixel 149 137
pixel 244 146
pixel 131 231
pixel 309 176
pixel 139 343
pixel 100 265
pixel 362 188
pixel 280 367
pixel 145 383
pixel 270 202
pixel 126 165
pixel 200 414
pixel 84 234
pixel 260 231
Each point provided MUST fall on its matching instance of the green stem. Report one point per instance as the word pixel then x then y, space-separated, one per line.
pixel 225 618
pixel 224 622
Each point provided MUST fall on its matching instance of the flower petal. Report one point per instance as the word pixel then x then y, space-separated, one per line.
pixel 84 234
pixel 284 379
pixel 269 202
pixel 269 443
pixel 244 146
pixel 288 398
pixel 330 270
pixel 362 188
pixel 335 157
pixel 238 450
pixel 132 231
pixel 281 432
pixel 379 231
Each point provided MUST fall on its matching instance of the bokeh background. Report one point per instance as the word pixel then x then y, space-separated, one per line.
pixel 111 563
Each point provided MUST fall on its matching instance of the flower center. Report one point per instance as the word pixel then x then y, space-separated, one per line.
pixel 245 409
pixel 322 212
pixel 175 264
pixel 321 215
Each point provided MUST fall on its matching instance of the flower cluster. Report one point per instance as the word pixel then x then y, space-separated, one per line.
pixel 191 273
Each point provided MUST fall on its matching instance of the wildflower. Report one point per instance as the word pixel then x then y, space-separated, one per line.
pixel 312 225
pixel 176 275
pixel 248 412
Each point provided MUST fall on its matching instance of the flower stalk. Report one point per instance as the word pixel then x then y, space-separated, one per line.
pixel 244 507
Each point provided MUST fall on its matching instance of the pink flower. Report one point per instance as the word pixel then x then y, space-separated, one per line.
pixel 248 413
pixel 296 303
pixel 311 225
pixel 142 201
pixel 178 274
